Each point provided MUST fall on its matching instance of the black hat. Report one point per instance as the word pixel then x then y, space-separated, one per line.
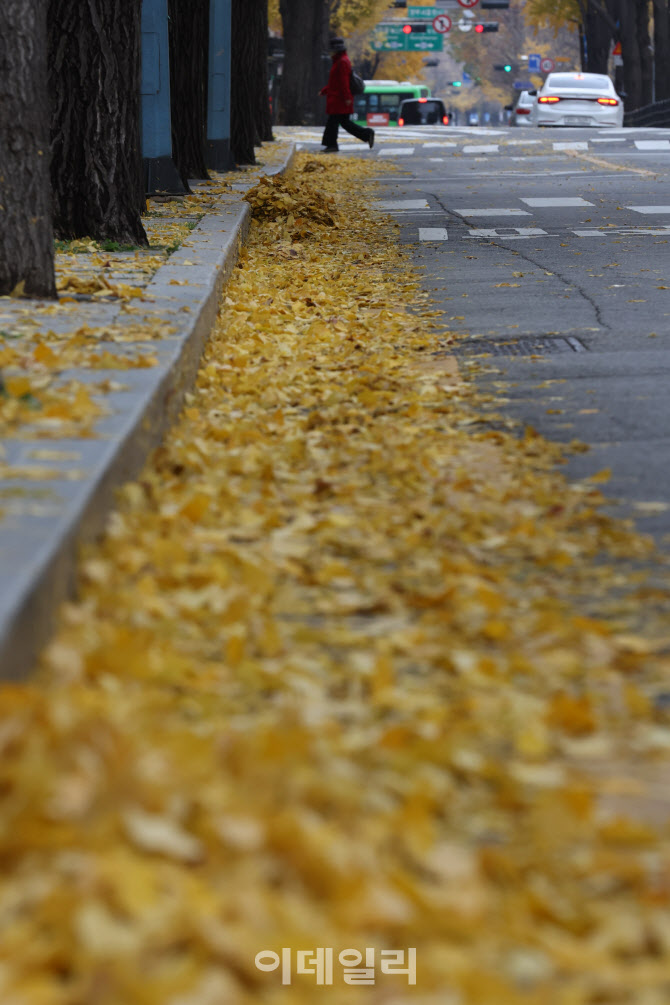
pixel 337 45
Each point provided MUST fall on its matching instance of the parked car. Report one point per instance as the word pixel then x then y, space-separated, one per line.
pixel 577 99
pixel 473 119
pixel 423 112
pixel 522 112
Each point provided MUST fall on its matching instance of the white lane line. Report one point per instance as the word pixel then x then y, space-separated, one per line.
pixel 520 233
pixel 608 139
pixel 652 144
pixel 567 145
pixel 625 232
pixel 403 205
pixel 436 160
pixel 518 143
pixel 481 148
pixel 649 209
pixel 443 146
pixel 396 152
pixel 491 212
pixel 433 234
pixel 557 201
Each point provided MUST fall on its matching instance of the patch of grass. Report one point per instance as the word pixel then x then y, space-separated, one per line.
pixel 114 246
pixel 83 246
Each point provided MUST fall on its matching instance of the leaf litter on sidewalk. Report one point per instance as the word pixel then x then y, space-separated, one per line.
pixel 328 682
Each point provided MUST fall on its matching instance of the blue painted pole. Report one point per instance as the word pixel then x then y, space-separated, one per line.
pixel 218 154
pixel 160 172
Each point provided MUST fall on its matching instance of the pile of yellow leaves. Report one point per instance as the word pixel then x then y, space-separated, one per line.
pixel 329 684
pixel 283 201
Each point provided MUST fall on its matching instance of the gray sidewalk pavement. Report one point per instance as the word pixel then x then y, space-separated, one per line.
pixel 59 476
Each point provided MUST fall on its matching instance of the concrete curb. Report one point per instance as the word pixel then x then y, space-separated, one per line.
pixel 39 542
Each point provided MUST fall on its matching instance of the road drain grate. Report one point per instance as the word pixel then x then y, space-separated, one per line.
pixel 522 346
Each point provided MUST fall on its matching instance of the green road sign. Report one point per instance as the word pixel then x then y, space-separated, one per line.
pixel 390 37
pixel 424 43
pixel 430 12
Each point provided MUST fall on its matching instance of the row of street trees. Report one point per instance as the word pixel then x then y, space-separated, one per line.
pixel 70 130
pixel 306 26
pixel 643 29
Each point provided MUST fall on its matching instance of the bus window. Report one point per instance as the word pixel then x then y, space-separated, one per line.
pixel 391 103
pixel 361 105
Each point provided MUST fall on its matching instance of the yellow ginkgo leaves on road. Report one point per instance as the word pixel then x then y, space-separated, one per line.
pixel 351 669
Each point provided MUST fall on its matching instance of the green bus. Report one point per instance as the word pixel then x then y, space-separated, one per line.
pixel 379 105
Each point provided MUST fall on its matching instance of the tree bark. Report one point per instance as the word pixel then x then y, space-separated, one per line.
pixel 94 79
pixel 644 46
pixel 26 235
pixel 661 50
pixel 630 51
pixel 305 24
pixel 598 39
pixel 189 34
pixel 250 120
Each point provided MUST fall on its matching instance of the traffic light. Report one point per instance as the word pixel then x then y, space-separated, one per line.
pixel 456 83
pixel 483 26
pixel 415 28
pixel 503 67
pixel 494 4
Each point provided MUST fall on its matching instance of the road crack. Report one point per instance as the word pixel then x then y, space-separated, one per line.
pixel 526 257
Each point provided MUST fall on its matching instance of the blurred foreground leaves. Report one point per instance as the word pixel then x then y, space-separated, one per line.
pixel 351 668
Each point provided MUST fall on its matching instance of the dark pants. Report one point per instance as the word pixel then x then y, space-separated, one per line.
pixel 332 126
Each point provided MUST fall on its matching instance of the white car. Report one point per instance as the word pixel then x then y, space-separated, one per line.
pixel 578 99
pixel 522 112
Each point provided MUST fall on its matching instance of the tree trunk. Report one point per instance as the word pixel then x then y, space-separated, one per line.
pixel 189 34
pixel 598 39
pixel 26 235
pixel 630 51
pixel 94 79
pixel 305 24
pixel 661 50
pixel 644 46
pixel 263 114
pixel 250 121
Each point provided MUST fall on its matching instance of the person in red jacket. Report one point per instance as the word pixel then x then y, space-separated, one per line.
pixel 340 102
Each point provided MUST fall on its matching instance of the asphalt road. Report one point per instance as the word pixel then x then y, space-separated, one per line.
pixel 550 250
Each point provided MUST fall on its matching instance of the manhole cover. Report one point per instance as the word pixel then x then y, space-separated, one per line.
pixel 522 346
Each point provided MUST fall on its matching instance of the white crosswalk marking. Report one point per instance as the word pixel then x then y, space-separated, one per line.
pixel 608 139
pixel 433 234
pixel 443 146
pixel 625 232
pixel 510 234
pixel 557 201
pixel 652 144
pixel 649 209
pixel 396 152
pixel 491 211
pixel 403 205
pixel 481 148
pixel 436 160
pixel 570 146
